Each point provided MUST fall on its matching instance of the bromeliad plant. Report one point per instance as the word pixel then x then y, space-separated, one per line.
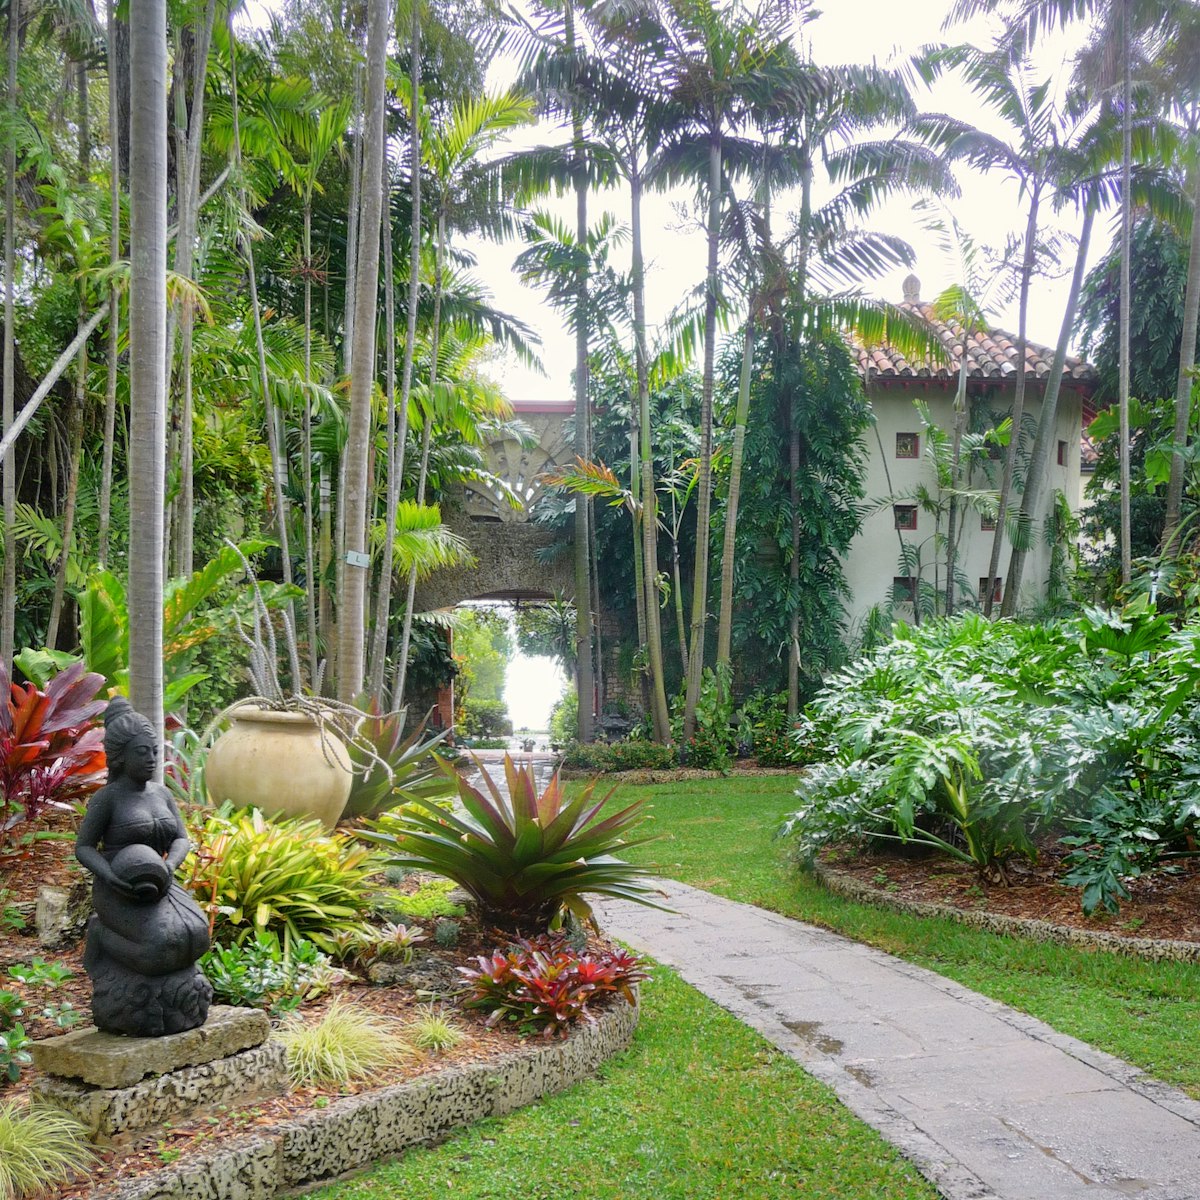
pixel 286 876
pixel 525 858
pixel 389 768
pixel 51 747
pixel 543 985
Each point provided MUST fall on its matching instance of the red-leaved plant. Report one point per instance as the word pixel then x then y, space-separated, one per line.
pixel 51 747
pixel 544 986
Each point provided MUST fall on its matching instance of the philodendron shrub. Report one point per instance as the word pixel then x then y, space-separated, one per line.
pixel 974 737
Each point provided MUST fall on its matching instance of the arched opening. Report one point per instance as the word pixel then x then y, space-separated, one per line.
pixel 512 653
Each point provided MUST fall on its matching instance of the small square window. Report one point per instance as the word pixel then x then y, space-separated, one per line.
pixel 904 589
pixel 996 587
pixel 1062 454
pixel 906 516
pixel 986 523
pixel 908 445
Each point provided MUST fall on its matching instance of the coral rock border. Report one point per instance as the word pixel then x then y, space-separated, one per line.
pixel 1152 949
pixel 357 1131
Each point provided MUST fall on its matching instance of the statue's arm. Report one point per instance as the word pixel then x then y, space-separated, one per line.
pixel 91 833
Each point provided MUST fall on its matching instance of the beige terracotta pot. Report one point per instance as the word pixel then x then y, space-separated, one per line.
pixel 279 762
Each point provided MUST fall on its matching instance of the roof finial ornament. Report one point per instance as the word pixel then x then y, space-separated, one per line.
pixel 912 290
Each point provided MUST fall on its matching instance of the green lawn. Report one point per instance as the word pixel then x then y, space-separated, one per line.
pixel 719 835
pixel 699 1108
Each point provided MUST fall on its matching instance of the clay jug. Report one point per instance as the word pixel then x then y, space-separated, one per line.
pixel 281 762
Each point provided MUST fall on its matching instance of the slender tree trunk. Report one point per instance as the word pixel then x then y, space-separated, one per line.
pixel 310 581
pixel 362 377
pixel 188 201
pixel 9 617
pixel 114 301
pixel 147 338
pixel 659 712
pixel 585 680
pixel 1126 289
pixel 277 451
pixel 1033 501
pixel 79 391
pixel 395 463
pixel 725 622
pixel 956 438
pixel 410 328
pixel 1018 409
pixel 1184 381
pixel 353 213
pixel 426 442
pixel 639 574
pixel 704 486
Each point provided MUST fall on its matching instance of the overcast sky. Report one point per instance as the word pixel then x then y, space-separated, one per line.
pixel 990 210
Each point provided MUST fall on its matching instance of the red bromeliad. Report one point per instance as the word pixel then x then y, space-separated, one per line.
pixel 544 986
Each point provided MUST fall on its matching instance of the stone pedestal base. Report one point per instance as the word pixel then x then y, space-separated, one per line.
pixel 119 1086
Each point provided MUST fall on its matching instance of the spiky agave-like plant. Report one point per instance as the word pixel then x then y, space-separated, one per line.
pixel 526 858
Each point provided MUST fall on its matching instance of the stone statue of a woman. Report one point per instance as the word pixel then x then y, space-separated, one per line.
pixel 146 933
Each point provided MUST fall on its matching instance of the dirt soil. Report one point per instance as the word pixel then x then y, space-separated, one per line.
pixel 52 862
pixel 1161 905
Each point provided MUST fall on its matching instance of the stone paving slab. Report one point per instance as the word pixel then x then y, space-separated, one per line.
pixel 989 1103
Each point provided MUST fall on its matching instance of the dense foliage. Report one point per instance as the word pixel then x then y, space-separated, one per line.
pixel 813 389
pixel 976 738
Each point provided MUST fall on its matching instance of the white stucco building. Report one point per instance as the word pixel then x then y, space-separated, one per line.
pixel 900 464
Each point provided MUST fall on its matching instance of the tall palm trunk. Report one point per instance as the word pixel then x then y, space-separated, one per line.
pixel 352 598
pixel 383 609
pixel 584 678
pixel 1126 287
pixel 147 344
pixel 439 258
pixel 395 464
pixel 278 461
pixel 310 581
pixel 78 392
pixel 187 191
pixel 1032 502
pixel 9 617
pixel 704 486
pixel 114 303
pixel 1187 360
pixel 956 440
pixel 1018 409
pixel 725 618
pixel 660 714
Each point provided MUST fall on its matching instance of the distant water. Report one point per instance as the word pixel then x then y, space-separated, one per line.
pixel 492 761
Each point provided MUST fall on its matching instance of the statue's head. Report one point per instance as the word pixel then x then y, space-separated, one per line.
pixel 130 742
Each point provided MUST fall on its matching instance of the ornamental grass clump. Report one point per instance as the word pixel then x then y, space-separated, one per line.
pixel 543 985
pixel 525 858
pixel 347 1043
pixel 39 1146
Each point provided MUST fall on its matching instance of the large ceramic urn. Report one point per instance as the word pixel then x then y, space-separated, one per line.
pixel 281 762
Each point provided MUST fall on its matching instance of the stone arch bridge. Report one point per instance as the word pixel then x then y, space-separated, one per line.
pixel 503 540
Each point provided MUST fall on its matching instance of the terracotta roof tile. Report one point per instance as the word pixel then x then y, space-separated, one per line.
pixel 991 354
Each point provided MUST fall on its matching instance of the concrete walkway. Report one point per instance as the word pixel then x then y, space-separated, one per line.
pixel 990 1104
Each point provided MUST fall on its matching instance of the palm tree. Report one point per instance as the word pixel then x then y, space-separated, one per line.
pixel 352 600
pixel 1002 77
pixel 147 344
pixel 8 617
pixel 453 156
pixel 716 62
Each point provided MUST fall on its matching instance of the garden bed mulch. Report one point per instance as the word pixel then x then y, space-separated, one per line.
pixel 1163 906
pixel 53 863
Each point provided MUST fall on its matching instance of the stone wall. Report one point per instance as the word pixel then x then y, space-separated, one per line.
pixel 354 1132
